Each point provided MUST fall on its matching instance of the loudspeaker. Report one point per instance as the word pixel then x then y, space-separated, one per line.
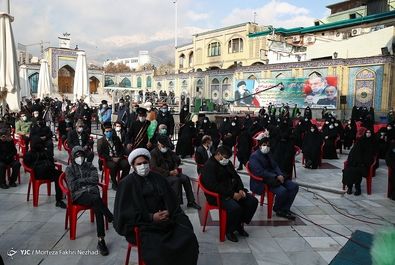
pixel 343 99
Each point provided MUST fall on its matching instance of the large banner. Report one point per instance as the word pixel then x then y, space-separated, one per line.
pixel 315 92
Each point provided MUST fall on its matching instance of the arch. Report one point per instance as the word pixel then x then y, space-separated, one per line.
pixel 171 86
pixel 66 79
pixel 181 60
pixel 190 59
pixel 139 83
pixel 199 85
pixel 199 70
pixel 257 64
pixel 365 86
pixel 93 84
pixel 159 85
pixel 280 75
pixel 225 84
pixel 125 82
pixel 315 74
pixel 108 81
pixel 252 77
pixel 33 81
pixel 149 81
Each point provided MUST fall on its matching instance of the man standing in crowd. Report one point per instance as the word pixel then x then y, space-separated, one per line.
pixel 138 135
pixel 165 117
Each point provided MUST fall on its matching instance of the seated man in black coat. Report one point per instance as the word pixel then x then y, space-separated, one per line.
pixel 165 162
pixel 145 200
pixel 110 148
pixel 41 130
pixel 7 159
pixel 80 137
pixel 220 176
pixel 203 152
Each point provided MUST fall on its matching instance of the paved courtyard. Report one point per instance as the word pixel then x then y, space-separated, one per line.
pixel 276 241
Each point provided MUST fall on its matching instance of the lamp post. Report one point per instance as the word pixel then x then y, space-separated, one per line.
pixel 7 5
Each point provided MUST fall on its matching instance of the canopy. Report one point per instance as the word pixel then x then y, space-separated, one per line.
pixel 81 82
pixel 24 82
pixel 44 83
pixel 9 78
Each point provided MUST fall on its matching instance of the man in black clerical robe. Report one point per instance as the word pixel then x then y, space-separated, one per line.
pixel 137 135
pixel 146 200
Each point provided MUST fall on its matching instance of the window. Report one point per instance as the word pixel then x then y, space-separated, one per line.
pixel 214 84
pixel 235 45
pixel 181 60
pixel 252 77
pixel 184 86
pixel 199 86
pixel 108 81
pixel 171 86
pixel 352 16
pixel 190 59
pixel 139 81
pixel 148 81
pixel 125 83
pixel 33 81
pixel 159 85
pixel 214 49
pixel 225 84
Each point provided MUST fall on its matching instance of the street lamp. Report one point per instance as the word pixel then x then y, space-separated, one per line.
pixel 335 54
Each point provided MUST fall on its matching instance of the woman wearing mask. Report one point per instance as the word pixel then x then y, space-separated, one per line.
pixel 360 158
pixel 311 148
pixel 186 134
pixel 82 180
pixel 22 127
pixel 185 115
pixel 350 133
pixel 390 160
pixel 330 136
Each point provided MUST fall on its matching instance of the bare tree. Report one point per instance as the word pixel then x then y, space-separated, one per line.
pixel 117 68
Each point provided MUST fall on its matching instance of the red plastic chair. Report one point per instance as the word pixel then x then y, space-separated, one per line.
pixel 22 144
pixel 105 176
pixel 389 181
pixel 73 209
pixel 208 207
pixel 68 149
pixel 36 183
pixel 265 190
pixel 369 177
pixel 235 151
pixel 138 246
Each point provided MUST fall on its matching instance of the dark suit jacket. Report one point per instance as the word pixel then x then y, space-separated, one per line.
pixel 103 147
pixel 201 156
pixel 163 163
pixel 72 139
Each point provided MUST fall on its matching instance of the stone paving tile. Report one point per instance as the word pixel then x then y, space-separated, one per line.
pixel 272 258
pixel 323 243
pixel 306 257
pixel 293 244
pixel 238 258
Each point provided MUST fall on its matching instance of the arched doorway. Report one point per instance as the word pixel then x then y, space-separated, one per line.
pixel 33 80
pixel 93 84
pixel 66 79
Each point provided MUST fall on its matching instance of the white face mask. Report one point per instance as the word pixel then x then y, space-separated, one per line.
pixel 142 170
pixel 85 107
pixel 330 126
pixel 104 106
pixel 265 149
pixel 185 109
pixel 24 118
pixel 35 115
pixel 79 160
pixel 118 129
pixel 80 129
pixel 163 149
pixel 142 119
pixel 120 104
pixel 224 161
pixel 368 135
pixel 233 124
pixel 205 121
pixel 312 130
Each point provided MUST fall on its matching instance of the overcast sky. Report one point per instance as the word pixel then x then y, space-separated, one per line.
pixel 108 29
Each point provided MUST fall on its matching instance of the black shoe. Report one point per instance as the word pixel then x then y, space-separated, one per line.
pixel 194 205
pixel 12 184
pixel 285 214
pixel 243 232
pixel 4 186
pixel 101 246
pixel 232 237
pixel 61 204
pixel 357 192
pixel 110 218
pixel 349 191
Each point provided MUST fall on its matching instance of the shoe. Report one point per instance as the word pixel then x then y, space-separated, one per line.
pixel 101 246
pixel 286 214
pixel 357 192
pixel 61 204
pixel 12 184
pixel 114 186
pixel 349 191
pixel 194 205
pixel 243 232
pixel 4 186
pixel 110 218
pixel 232 237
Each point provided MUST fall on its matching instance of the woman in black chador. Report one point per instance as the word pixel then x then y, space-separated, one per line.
pixel 359 160
pixel 244 145
pixel 284 151
pixel 350 134
pixel 390 160
pixel 311 148
pixel 330 136
pixel 185 135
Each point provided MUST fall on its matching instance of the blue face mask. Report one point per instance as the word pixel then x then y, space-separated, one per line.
pixel 108 134
pixel 163 131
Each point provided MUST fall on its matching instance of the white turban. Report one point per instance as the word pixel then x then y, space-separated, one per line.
pixel 138 152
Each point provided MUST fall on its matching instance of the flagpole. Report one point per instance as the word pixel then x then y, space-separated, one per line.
pixel 8 7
